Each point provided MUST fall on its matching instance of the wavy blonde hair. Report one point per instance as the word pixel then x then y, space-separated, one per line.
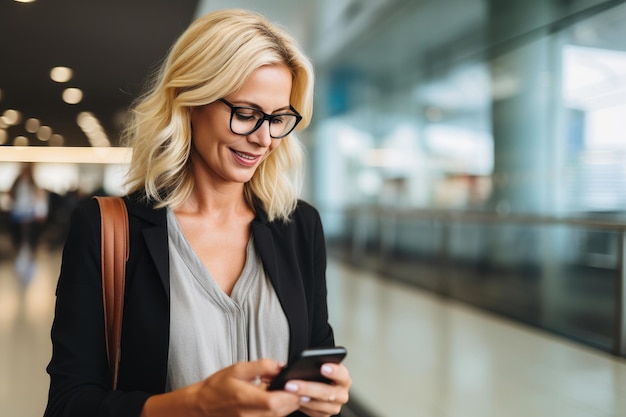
pixel 210 60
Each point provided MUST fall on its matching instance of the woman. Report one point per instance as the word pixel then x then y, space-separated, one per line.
pixel 226 276
pixel 29 211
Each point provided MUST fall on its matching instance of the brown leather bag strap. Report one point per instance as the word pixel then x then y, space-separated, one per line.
pixel 114 253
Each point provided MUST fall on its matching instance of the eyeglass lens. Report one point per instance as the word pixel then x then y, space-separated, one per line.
pixel 246 120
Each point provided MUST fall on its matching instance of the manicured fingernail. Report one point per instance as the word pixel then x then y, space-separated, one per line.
pixel 305 400
pixel 327 370
pixel 291 387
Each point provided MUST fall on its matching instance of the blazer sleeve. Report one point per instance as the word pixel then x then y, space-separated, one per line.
pixel 80 382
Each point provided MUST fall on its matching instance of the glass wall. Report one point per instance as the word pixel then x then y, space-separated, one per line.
pixel 489 165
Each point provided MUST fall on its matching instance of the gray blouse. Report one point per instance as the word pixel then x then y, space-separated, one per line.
pixel 210 330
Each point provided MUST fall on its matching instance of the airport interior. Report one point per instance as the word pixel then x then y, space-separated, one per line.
pixel 467 158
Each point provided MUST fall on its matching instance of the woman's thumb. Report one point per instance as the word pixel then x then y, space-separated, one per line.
pixel 263 368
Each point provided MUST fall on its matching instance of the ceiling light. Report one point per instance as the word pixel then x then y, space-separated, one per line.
pixel 3 136
pixel 20 141
pixel 11 117
pixel 32 125
pixel 86 119
pixel 24 1
pixel 77 155
pixel 56 140
pixel 93 129
pixel 61 74
pixel 44 133
pixel 72 95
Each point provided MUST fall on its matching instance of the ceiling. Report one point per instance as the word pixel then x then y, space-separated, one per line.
pixel 111 46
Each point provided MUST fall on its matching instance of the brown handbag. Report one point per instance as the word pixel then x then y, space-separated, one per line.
pixel 114 254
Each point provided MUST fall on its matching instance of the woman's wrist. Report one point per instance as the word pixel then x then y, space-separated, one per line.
pixel 190 396
pixel 179 402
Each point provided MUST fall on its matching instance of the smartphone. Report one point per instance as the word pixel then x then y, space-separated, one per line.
pixel 306 366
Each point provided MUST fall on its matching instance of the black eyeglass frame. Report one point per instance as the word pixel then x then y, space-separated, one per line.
pixel 268 117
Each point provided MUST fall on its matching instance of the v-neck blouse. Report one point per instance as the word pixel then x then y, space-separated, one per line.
pixel 210 330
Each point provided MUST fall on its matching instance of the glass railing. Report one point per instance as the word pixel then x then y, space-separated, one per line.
pixel 564 275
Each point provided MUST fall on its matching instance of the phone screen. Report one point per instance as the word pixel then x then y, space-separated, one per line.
pixel 306 366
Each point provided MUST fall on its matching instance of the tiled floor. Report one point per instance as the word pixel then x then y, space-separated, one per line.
pixel 410 354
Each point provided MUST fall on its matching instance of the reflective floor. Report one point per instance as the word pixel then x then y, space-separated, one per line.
pixel 410 353
pixel 413 354
pixel 25 317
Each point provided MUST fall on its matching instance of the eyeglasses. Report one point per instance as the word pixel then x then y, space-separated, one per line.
pixel 245 120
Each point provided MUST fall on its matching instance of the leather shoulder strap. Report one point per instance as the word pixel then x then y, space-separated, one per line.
pixel 114 254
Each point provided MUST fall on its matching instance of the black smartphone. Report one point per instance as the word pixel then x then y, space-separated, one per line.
pixel 306 366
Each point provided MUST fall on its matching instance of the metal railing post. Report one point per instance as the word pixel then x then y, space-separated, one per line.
pixel 620 308
pixel 444 286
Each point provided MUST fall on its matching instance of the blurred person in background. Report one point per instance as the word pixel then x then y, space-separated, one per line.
pixel 29 209
pixel 226 276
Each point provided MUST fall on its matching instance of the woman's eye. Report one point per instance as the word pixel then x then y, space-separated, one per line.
pixel 245 115
pixel 278 120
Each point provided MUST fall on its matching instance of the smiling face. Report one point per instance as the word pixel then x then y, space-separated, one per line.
pixel 221 156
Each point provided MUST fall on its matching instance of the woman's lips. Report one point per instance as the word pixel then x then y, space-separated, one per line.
pixel 245 158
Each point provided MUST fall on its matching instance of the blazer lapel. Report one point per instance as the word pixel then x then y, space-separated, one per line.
pixel 287 284
pixel 155 236
pixel 157 246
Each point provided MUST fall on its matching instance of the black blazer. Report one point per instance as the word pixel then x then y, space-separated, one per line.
pixel 293 255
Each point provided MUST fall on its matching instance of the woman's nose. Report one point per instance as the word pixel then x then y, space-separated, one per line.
pixel 261 136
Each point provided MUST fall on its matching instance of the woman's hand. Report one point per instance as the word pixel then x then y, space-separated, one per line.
pixel 235 391
pixel 322 400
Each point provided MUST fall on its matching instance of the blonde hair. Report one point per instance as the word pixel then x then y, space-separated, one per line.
pixel 210 60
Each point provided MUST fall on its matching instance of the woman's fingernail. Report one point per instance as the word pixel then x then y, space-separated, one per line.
pixel 305 400
pixel 291 387
pixel 327 370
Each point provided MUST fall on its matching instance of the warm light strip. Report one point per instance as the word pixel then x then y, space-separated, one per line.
pixel 76 155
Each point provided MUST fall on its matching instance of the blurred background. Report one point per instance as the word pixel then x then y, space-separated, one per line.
pixel 467 154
